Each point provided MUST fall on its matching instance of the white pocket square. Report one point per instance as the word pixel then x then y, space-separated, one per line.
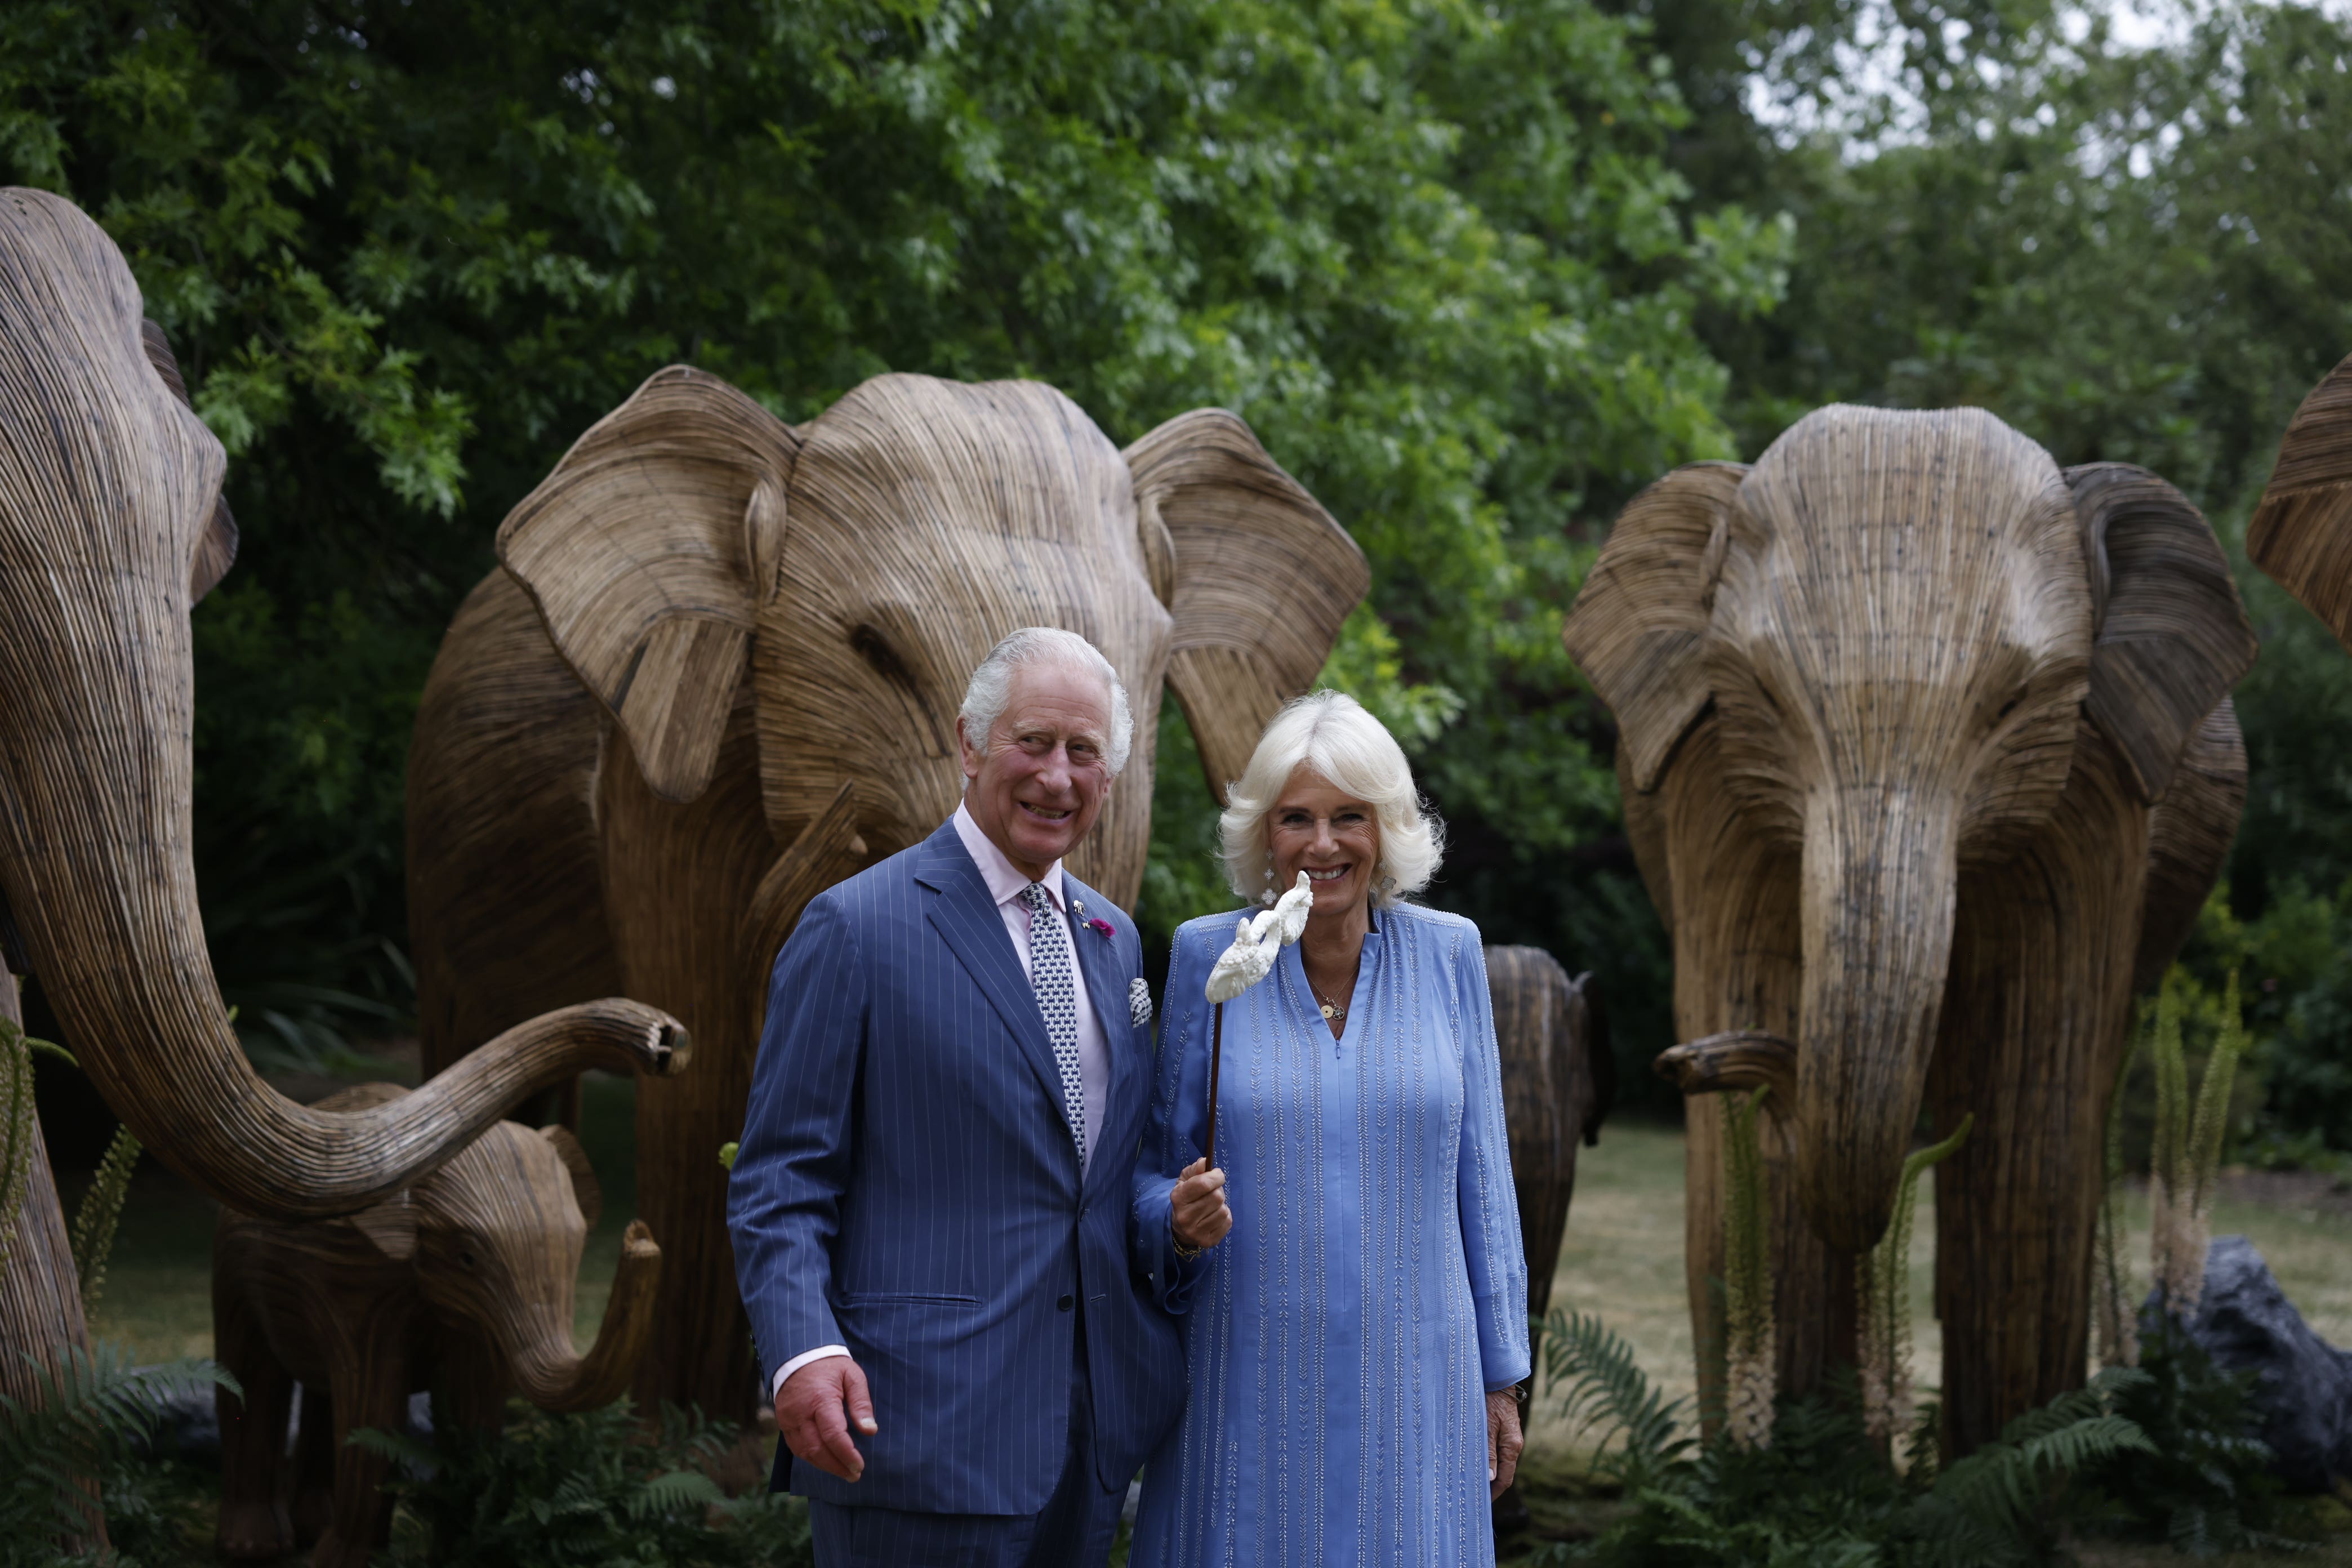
pixel 1139 1001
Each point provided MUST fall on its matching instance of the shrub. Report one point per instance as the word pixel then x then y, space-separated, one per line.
pixel 598 1489
pixel 1821 1493
pixel 2207 1487
pixel 81 1426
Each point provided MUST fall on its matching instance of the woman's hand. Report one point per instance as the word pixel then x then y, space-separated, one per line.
pixel 1503 1439
pixel 1197 1207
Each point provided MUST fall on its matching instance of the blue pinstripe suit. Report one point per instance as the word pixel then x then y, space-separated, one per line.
pixel 907 1186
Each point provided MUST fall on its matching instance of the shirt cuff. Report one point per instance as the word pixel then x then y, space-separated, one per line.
pixel 776 1384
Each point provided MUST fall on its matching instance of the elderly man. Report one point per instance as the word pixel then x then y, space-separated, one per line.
pixel 931 1206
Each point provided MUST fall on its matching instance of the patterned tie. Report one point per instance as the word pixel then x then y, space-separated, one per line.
pixel 1057 998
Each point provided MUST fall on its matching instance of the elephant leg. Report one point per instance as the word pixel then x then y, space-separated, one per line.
pixel 252 1518
pixel 2036 1019
pixel 678 883
pixel 501 775
pixel 313 1507
pixel 370 1389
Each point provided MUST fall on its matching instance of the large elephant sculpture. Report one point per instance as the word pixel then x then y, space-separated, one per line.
pixel 2301 532
pixel 1926 754
pixel 465 1279
pixel 720 669
pixel 111 527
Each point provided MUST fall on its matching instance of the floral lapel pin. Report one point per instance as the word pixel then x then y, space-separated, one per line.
pixel 1099 927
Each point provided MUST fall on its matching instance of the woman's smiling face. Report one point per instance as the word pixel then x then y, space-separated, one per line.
pixel 1318 828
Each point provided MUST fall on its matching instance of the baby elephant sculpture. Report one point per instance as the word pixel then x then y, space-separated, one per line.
pixel 464 1281
pixel 1559 1080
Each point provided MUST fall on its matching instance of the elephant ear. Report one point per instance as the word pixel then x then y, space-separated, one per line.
pixel 649 552
pixel 1256 573
pixel 391 1225
pixel 585 1189
pixel 2302 531
pixel 1637 627
pixel 2189 837
pixel 216 546
pixel 2169 636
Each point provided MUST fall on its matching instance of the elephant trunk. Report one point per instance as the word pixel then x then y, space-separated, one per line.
pixel 1881 880
pixel 95 866
pixel 551 1376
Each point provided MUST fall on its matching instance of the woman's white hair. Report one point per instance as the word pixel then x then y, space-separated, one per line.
pixel 992 685
pixel 1330 732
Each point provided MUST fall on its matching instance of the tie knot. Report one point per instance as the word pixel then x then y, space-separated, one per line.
pixel 1036 897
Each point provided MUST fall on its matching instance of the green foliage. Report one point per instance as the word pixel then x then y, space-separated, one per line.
pixel 17 1129
pixel 1822 1490
pixel 100 1212
pixel 590 1489
pixel 83 1418
pixel 1751 1341
pixel 1886 1282
pixel 2206 1486
pixel 1432 250
pixel 1603 1389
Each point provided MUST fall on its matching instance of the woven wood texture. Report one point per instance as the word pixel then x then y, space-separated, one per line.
pixel 110 518
pixel 2301 532
pixel 663 770
pixel 1558 1081
pixel 1895 707
pixel 465 1280
pixel 40 1294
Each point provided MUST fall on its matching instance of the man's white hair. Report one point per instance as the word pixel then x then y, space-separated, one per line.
pixel 992 685
pixel 1330 732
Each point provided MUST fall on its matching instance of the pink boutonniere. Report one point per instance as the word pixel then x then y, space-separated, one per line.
pixel 1102 927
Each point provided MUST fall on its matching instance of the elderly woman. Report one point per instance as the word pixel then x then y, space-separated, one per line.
pixel 1356 1307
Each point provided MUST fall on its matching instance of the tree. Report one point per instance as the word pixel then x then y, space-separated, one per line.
pixel 409 248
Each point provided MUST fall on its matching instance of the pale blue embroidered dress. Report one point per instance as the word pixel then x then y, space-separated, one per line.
pixel 1340 1341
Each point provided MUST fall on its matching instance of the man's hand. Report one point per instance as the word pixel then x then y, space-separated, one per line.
pixel 1197 1207
pixel 1503 1439
pixel 809 1415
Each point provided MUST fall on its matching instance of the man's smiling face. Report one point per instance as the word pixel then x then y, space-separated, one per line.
pixel 1038 780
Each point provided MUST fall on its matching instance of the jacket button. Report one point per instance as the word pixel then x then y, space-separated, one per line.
pixel 1066 1303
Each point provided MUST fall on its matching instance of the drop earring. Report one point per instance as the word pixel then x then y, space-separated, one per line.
pixel 1267 896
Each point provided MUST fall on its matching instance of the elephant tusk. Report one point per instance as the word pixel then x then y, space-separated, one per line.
pixel 827 849
pixel 1736 1059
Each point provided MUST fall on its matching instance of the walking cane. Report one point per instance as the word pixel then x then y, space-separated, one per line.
pixel 1216 1060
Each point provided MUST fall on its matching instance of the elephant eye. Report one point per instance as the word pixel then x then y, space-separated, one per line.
pixel 469 1260
pixel 871 646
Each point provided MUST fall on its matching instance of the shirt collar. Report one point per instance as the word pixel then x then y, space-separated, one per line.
pixel 1005 879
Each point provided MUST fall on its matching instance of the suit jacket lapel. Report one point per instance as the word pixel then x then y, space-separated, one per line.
pixel 1105 981
pixel 967 919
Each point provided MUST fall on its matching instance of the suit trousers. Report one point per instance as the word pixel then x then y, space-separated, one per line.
pixel 1075 1530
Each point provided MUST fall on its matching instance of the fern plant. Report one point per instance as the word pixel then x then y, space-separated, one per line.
pixel 1604 1390
pixel 84 1415
pixel 591 1489
pixel 1822 1491
pixel 2207 1487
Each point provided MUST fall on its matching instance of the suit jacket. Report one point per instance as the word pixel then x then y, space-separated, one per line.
pixel 907 1186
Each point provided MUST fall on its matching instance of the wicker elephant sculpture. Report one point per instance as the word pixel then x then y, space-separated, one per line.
pixel 720 669
pixel 463 1283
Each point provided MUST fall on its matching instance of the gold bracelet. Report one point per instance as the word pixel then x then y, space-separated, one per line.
pixel 1183 1251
